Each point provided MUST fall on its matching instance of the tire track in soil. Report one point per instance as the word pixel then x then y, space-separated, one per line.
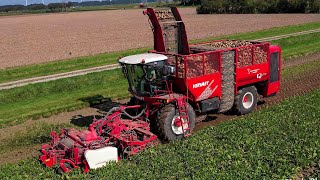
pixel 307 173
pixel 290 87
pixel 300 60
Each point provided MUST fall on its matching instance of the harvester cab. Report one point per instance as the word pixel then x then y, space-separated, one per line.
pixel 146 73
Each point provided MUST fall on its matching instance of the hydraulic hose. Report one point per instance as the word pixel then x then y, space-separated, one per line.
pixel 112 110
pixel 125 113
pixel 135 117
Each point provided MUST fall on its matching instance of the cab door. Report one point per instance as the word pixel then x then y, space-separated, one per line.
pixel 273 85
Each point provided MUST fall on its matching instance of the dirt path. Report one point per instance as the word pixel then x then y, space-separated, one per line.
pixel 33 39
pixel 290 87
pixel 288 35
pixel 40 79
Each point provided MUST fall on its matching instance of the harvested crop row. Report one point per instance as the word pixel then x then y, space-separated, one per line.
pixel 246 51
pixel 229 44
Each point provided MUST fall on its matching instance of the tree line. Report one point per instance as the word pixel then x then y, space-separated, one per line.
pixel 257 6
pixel 204 6
pixel 34 7
pixel 59 6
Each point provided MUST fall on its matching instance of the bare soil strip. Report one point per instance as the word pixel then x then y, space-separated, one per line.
pixel 301 60
pixel 23 82
pixel 290 87
pixel 307 173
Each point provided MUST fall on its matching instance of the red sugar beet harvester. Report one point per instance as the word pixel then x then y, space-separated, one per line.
pixel 171 87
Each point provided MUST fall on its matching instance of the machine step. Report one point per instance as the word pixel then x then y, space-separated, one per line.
pixel 184 117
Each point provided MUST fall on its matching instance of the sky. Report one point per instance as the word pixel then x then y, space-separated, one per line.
pixel 23 2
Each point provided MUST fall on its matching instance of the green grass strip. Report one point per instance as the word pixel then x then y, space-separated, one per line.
pixel 52 97
pixel 275 31
pixel 46 99
pixel 55 67
pixel 268 144
pixel 299 45
pixel 16 73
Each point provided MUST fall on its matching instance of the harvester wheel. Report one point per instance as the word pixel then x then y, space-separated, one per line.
pixel 246 100
pixel 167 128
pixel 60 170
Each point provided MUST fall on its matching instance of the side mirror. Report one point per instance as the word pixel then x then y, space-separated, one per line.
pixel 169 70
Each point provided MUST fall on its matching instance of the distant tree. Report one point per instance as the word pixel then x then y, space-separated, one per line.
pixel 190 2
pixel 248 6
pixel 262 6
pixel 259 6
pixel 69 4
pixel 55 6
pixel 211 7
pixel 36 6
pixel 8 8
pixel 313 6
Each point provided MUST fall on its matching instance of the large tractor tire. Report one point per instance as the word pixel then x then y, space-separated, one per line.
pixel 246 100
pixel 167 128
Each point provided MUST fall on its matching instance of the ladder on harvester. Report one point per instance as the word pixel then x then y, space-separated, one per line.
pixel 184 116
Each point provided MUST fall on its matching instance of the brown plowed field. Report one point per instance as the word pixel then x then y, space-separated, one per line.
pixel 32 39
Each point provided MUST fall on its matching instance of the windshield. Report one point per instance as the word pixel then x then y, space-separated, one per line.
pixel 135 75
pixel 140 76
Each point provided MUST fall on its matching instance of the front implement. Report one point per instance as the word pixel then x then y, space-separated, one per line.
pixel 105 140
